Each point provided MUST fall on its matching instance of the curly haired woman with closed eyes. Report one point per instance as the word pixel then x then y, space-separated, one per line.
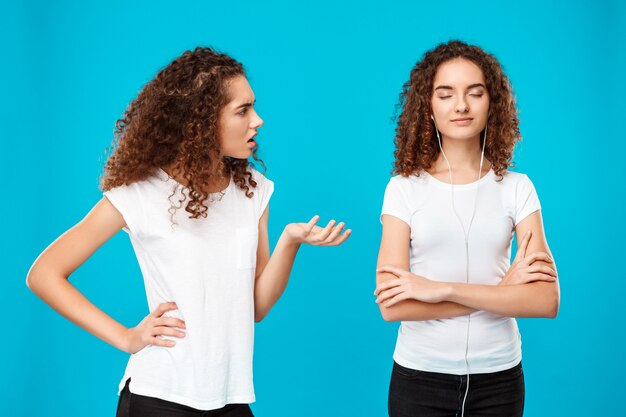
pixel 448 220
pixel 180 184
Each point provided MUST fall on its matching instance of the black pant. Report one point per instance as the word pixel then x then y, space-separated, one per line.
pixel 133 405
pixel 414 393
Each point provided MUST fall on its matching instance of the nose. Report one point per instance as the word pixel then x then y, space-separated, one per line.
pixel 461 105
pixel 256 122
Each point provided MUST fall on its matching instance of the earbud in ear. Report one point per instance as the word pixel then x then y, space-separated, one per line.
pixel 432 117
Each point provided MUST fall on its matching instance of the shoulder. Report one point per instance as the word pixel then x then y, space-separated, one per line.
pixel 407 185
pixel 264 187
pixel 128 200
pixel 514 179
pixel 257 176
pixel 407 181
pixel 518 187
pixel 122 191
pixel 133 195
pixel 140 186
pixel 261 180
pixel 514 176
pixel 410 191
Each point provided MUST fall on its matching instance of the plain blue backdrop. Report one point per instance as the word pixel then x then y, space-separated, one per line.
pixel 327 76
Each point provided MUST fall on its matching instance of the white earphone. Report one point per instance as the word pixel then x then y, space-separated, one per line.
pixel 465 234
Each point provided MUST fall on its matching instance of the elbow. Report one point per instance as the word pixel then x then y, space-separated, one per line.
pixel 40 276
pixel 555 302
pixel 388 314
pixel 31 279
pixel 552 307
pixel 551 313
pixel 259 315
pixel 545 303
pixel 29 283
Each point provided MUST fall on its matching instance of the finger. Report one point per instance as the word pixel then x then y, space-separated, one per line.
pixel 311 223
pixel 342 238
pixel 170 321
pixel 385 295
pixel 390 283
pixel 391 269
pixel 521 247
pixel 334 233
pixel 167 331
pixel 162 342
pixel 544 269
pixel 164 308
pixel 538 276
pixel 400 297
pixel 538 256
pixel 325 232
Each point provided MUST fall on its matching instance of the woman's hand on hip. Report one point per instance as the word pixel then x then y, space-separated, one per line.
pixel 153 325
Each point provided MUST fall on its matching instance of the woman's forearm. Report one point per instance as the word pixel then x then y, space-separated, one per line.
pixel 535 299
pixel 413 310
pixel 271 284
pixel 56 291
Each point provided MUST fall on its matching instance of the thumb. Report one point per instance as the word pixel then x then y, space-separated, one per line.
pixel 391 269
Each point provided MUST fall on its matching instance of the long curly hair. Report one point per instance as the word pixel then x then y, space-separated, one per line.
pixel 416 140
pixel 173 122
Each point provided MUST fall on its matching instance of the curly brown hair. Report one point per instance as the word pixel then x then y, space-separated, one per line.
pixel 173 122
pixel 416 140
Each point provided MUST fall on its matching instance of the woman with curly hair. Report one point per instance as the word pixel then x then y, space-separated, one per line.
pixel 179 182
pixel 448 221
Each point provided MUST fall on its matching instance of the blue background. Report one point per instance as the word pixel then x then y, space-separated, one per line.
pixel 327 77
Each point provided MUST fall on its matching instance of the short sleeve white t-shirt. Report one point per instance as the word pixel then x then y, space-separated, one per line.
pixel 437 252
pixel 207 266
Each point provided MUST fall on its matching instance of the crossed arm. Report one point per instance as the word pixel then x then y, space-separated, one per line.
pixel 529 289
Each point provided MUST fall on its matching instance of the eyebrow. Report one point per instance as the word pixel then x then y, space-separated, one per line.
pixel 469 87
pixel 246 104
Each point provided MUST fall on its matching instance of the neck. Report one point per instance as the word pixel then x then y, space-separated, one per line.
pixel 463 155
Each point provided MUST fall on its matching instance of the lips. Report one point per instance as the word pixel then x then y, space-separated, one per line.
pixel 462 121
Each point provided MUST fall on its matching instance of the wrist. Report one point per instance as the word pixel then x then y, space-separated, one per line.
pixel 122 339
pixel 289 240
pixel 450 291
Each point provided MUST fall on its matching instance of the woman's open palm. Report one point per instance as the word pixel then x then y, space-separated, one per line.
pixel 312 234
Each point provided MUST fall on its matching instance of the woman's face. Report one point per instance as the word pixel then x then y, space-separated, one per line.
pixel 460 100
pixel 238 122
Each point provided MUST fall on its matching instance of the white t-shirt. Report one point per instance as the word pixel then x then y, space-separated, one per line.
pixel 437 252
pixel 207 266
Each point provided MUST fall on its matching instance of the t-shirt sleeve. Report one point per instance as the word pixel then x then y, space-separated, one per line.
pixel 264 190
pixel 125 199
pixel 395 202
pixel 526 200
